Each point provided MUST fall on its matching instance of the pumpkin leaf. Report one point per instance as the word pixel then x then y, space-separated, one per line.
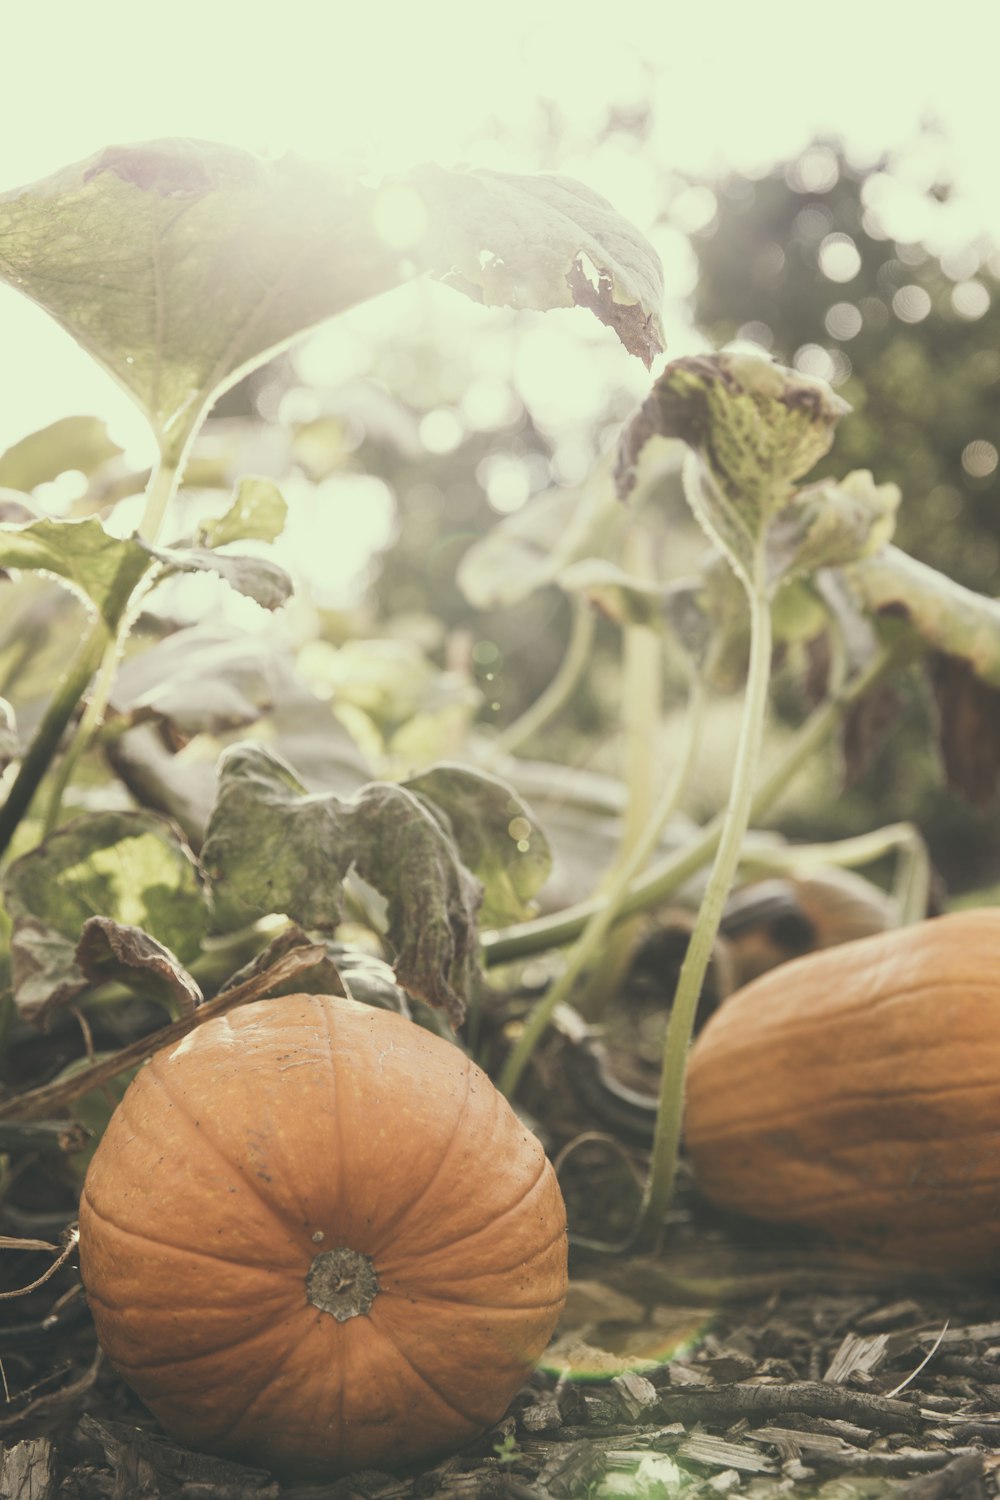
pixel 754 427
pixel 113 950
pixel 937 612
pixel 539 242
pixel 258 513
pixel 830 524
pixel 129 867
pixel 272 847
pixel 80 443
pixel 496 834
pixel 176 263
pixel 100 568
pixel 532 547
pixel 258 578
pixel 180 264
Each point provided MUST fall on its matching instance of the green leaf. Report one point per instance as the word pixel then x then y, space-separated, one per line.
pixel 258 513
pixel 540 242
pixel 271 847
pixel 180 264
pixel 258 578
pixel 129 867
pixel 100 568
pixel 176 263
pixel 71 443
pixel 496 834
pixel 105 569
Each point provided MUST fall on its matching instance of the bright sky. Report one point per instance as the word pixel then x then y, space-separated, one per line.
pixel 392 83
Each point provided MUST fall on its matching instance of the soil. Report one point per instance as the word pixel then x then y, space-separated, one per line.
pixel 736 1363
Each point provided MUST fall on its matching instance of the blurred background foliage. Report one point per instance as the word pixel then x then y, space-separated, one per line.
pixel 407 429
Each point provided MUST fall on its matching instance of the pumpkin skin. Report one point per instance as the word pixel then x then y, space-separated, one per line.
pixel 857 1092
pixel 233 1167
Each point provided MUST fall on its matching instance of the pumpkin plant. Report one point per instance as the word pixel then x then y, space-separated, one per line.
pixel 343 1147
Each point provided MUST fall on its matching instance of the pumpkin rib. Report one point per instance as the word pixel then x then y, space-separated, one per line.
pixel 389 1229
pixel 272 1374
pixel 338 1121
pixel 936 1191
pixel 765 1124
pixel 163 1363
pixel 795 1027
pixel 447 1401
pixel 137 1234
pixel 256 1187
pixel 391 1268
pixel 397 1224
pixel 483 1307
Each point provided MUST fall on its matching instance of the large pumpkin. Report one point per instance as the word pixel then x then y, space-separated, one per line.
pixel 857 1092
pixel 315 1237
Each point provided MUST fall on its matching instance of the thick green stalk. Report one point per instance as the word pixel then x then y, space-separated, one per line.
pixel 671 872
pixel 591 940
pixel 552 699
pixel 667 1132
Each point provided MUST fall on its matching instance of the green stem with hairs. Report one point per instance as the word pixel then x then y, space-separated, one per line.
pixel 100 653
pixel 552 699
pixel 736 820
pixel 591 941
pixel 675 869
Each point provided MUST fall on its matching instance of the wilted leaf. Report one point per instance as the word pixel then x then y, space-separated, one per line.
pixel 130 867
pixel 829 524
pixel 866 727
pixel 755 428
pixel 180 264
pixel 43 969
pixel 968 727
pixel 497 836
pixel 80 443
pixel 272 847
pixel 540 242
pixel 111 950
pixel 528 549
pixel 258 513
pixel 940 613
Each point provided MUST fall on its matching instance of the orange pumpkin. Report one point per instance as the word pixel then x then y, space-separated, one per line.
pixel 315 1237
pixel 857 1092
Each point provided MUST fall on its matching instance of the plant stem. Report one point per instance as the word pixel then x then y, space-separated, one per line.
pixel 667 1133
pixel 160 491
pixel 663 878
pixel 553 697
pixel 591 939
pixel 90 721
pixel 49 733
pixel 642 652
